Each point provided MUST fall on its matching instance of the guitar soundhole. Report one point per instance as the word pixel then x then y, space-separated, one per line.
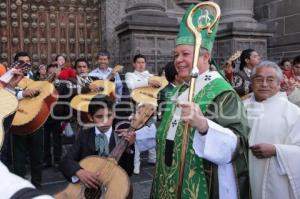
pixel 91 193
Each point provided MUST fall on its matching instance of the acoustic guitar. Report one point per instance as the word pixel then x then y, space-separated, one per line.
pixel 8 106
pixel 115 182
pixel 149 94
pixel 9 102
pixel 80 103
pixel 33 112
pixel 117 69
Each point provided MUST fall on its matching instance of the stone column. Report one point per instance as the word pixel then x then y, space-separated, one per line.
pixel 147 29
pixel 145 7
pixel 111 13
pixel 237 10
pixel 238 30
pixel 186 3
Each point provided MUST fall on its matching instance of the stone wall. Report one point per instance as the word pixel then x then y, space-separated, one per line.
pixel 283 17
pixel 112 12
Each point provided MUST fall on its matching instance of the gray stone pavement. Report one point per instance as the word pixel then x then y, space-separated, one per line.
pixel 54 182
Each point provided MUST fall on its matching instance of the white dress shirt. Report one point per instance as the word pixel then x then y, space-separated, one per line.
pixel 137 79
pixel 103 74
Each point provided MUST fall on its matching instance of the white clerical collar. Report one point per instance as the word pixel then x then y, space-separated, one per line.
pixel 279 95
pixel 107 133
pixel 204 73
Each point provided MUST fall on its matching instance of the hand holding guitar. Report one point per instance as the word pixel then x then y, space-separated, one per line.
pixel 154 83
pixel 95 88
pixel 112 175
pixel 88 178
pixel 129 136
pixel 31 93
pixel 15 74
pixel 117 69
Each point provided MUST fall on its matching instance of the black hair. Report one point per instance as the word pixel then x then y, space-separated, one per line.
pixel 246 54
pixel 161 70
pixel 283 60
pixel 231 62
pixel 21 54
pixel 170 71
pixel 139 56
pixel 81 60
pixel 56 58
pixel 54 65
pixel 296 60
pixel 100 102
pixel 103 53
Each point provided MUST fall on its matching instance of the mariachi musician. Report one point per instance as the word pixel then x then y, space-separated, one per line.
pixel 22 144
pixel 99 140
pixel 61 113
pixel 146 135
pixel 104 72
pixel 81 84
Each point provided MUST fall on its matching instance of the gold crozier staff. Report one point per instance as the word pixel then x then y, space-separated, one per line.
pixel 203 23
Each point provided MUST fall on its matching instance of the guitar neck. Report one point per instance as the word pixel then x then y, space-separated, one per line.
pixel 110 77
pixel 120 147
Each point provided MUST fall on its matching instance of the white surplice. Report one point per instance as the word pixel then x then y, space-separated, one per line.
pixel 275 121
pixel 217 146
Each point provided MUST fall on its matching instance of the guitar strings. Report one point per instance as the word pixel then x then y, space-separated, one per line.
pixel 108 167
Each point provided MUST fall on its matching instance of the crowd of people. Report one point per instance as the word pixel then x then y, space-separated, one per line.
pixel 244 124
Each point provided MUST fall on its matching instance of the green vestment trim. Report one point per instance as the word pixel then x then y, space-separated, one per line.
pixel 166 178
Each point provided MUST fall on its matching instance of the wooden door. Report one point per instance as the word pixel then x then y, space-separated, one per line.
pixel 46 28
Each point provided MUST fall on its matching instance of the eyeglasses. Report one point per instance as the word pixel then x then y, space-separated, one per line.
pixel 261 80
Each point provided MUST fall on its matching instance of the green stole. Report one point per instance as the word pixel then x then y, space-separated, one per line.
pixel 194 181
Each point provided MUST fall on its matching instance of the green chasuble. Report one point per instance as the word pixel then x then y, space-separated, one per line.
pixel 163 96
pixel 201 176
